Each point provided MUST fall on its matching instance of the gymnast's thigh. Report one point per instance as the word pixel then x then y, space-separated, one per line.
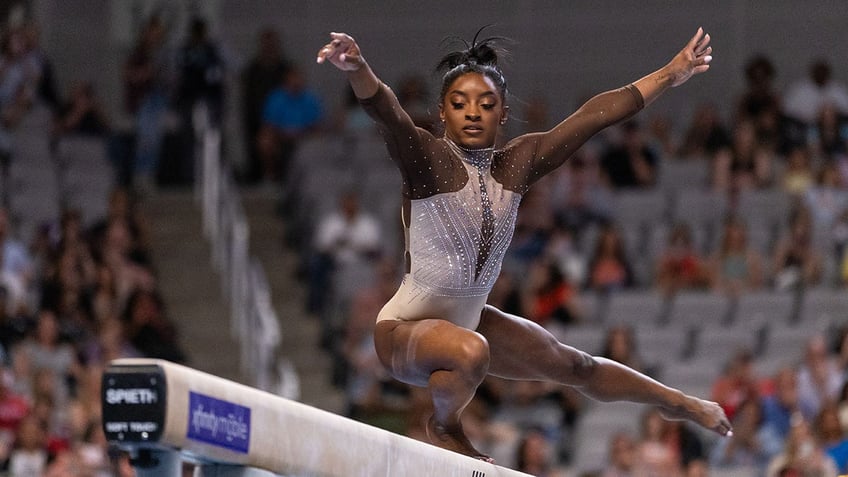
pixel 412 350
pixel 522 349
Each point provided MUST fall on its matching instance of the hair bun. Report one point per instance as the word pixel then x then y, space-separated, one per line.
pixel 482 52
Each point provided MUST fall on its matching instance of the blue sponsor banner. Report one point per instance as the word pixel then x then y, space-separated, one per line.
pixel 218 422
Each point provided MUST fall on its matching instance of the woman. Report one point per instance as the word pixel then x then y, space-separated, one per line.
pixel 737 267
pixel 609 267
pixel 460 198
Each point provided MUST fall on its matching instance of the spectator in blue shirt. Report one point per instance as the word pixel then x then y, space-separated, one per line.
pixel 291 112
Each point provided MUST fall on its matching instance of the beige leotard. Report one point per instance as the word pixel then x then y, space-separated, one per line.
pixel 460 205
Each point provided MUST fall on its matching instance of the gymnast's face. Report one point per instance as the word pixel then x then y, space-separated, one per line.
pixel 472 111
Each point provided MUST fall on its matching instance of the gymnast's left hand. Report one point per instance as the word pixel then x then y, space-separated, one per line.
pixel 693 59
pixel 342 51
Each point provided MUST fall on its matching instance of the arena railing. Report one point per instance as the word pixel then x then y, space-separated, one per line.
pixel 253 320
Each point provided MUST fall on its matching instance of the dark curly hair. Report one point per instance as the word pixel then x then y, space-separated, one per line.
pixel 479 56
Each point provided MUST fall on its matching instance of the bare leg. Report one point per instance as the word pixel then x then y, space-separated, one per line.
pixel 521 349
pixel 449 360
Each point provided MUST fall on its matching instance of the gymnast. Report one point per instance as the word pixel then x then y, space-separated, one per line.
pixel 460 200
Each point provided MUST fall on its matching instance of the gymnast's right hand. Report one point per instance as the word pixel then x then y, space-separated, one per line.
pixel 342 51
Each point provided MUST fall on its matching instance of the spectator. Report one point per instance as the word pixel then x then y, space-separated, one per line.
pixel 81 114
pixel 29 456
pixel 744 165
pixel 40 67
pixel 706 134
pixel 103 297
pixel 16 266
pixel 609 268
pixel 632 163
pixel 549 298
pixel 820 379
pixel 45 350
pixel 258 79
pixel 805 99
pixel 16 91
pixel 622 456
pixel 14 407
pixel 736 267
pixel 347 242
pixel 200 70
pixel 832 126
pixel 827 198
pixel 832 436
pixel 123 206
pixel 129 264
pixel 798 176
pixel 535 455
pixel 577 195
pixel 737 383
pixel 679 266
pixel 562 249
pixel 759 102
pixel 657 455
pixel 783 404
pixel 146 85
pixel 148 328
pixel 290 113
pixel 620 345
pixel 801 455
pixel 797 263
pixel 752 444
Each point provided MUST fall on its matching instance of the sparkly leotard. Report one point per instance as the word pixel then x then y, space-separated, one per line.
pixel 460 205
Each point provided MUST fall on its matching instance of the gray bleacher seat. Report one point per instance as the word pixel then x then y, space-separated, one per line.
pixel 597 426
pixel 754 309
pixel 698 205
pixel 717 343
pixel 636 211
pixel 637 308
pixel 660 345
pixel 767 366
pixel 704 211
pixel 770 207
pixel 587 338
pixel 698 309
pixel 86 176
pixel 786 343
pixel 695 377
pixel 83 153
pixel 675 175
pixel 639 206
pixel 823 307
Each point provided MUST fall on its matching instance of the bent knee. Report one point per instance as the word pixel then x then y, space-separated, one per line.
pixel 473 354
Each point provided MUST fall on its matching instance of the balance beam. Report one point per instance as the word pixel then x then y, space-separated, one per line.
pixel 155 404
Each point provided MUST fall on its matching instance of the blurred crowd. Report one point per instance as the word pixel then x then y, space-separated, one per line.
pixel 79 286
pixel 655 205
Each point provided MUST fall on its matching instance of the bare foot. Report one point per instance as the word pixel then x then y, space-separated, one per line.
pixel 453 438
pixel 706 413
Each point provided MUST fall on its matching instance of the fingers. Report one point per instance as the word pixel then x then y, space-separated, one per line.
pixel 339 43
pixel 695 39
pixel 326 52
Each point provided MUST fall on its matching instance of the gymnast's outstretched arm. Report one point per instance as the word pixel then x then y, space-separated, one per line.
pixel 553 147
pixel 404 140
